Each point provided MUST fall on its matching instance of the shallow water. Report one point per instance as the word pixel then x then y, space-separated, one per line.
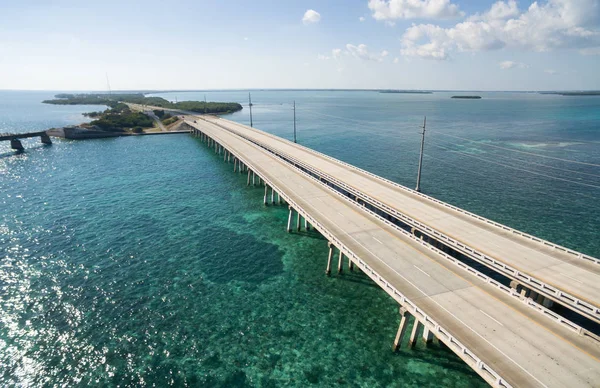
pixel 141 261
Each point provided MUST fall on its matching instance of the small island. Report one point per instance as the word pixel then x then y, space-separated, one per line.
pixel 405 91
pixel 132 113
pixel 467 97
pixel 576 93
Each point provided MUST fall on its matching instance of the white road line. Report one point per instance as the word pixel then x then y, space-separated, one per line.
pixel 376 240
pixel 341 214
pixel 572 278
pixel 490 317
pixel 421 270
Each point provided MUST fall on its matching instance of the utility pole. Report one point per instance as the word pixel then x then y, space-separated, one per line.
pixel 250 103
pixel 205 104
pixel 294 121
pixel 418 188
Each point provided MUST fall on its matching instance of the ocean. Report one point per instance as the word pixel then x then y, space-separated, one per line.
pixel 145 261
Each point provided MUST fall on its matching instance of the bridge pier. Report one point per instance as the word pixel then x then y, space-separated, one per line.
pixel 350 264
pixel 401 329
pixel 298 220
pixel 306 225
pixel 289 225
pixel 328 270
pixel 15 144
pixel 248 184
pixel 341 262
pixel 413 333
pixel 266 192
pixel 235 164
pixel 427 335
pixel 45 138
pixel 272 196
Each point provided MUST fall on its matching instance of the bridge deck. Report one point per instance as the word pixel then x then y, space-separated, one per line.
pixel 10 136
pixel 522 346
pixel 517 256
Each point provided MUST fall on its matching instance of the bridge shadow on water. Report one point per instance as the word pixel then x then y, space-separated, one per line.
pixel 21 152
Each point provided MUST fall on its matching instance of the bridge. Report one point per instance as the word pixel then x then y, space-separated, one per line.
pixel 16 144
pixel 499 331
pixel 539 269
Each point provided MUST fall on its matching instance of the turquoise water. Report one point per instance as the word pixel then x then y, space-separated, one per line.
pixel 141 261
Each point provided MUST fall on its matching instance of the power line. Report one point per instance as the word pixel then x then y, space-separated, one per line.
pixel 528 161
pixel 518 151
pixel 517 168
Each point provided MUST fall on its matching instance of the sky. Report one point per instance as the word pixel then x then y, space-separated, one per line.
pixel 242 44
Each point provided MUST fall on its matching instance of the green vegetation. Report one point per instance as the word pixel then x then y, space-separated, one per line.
pixel 170 120
pixel 119 120
pixel 138 98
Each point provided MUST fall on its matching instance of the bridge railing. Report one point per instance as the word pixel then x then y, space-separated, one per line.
pixel 442 334
pixel 540 286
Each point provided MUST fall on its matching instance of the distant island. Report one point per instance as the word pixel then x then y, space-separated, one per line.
pixel 121 119
pixel 467 97
pixel 405 91
pixel 582 93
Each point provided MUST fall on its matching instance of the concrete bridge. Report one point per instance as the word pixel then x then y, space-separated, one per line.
pixel 16 144
pixel 508 335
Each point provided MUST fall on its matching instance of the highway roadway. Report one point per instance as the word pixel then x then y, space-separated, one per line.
pixel 563 275
pixel 482 323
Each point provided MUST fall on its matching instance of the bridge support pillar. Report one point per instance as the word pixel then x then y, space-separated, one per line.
pixel 328 270
pixel 253 179
pixel 15 144
pixel 272 196
pixel 266 191
pixel 306 225
pixel 289 226
pixel 413 333
pixel 350 264
pixel 401 329
pixel 298 220
pixel 234 164
pixel 45 139
pixel 341 262
pixel 248 184
pixel 427 336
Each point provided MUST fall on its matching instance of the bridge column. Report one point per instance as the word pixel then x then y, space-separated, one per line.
pixel 266 191
pixel 272 196
pixel 253 179
pixel 225 156
pixel 328 270
pixel 45 139
pixel 413 333
pixel 248 184
pixel 235 162
pixel 298 220
pixel 427 336
pixel 289 226
pixel 401 329
pixel 306 225
pixel 350 264
pixel 15 144
pixel 341 262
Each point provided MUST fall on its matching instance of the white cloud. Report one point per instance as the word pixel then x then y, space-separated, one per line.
pixel 335 54
pixel 361 19
pixel 311 16
pixel 414 9
pixel 361 51
pixel 396 60
pixel 555 24
pixel 505 65
pixel 551 72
